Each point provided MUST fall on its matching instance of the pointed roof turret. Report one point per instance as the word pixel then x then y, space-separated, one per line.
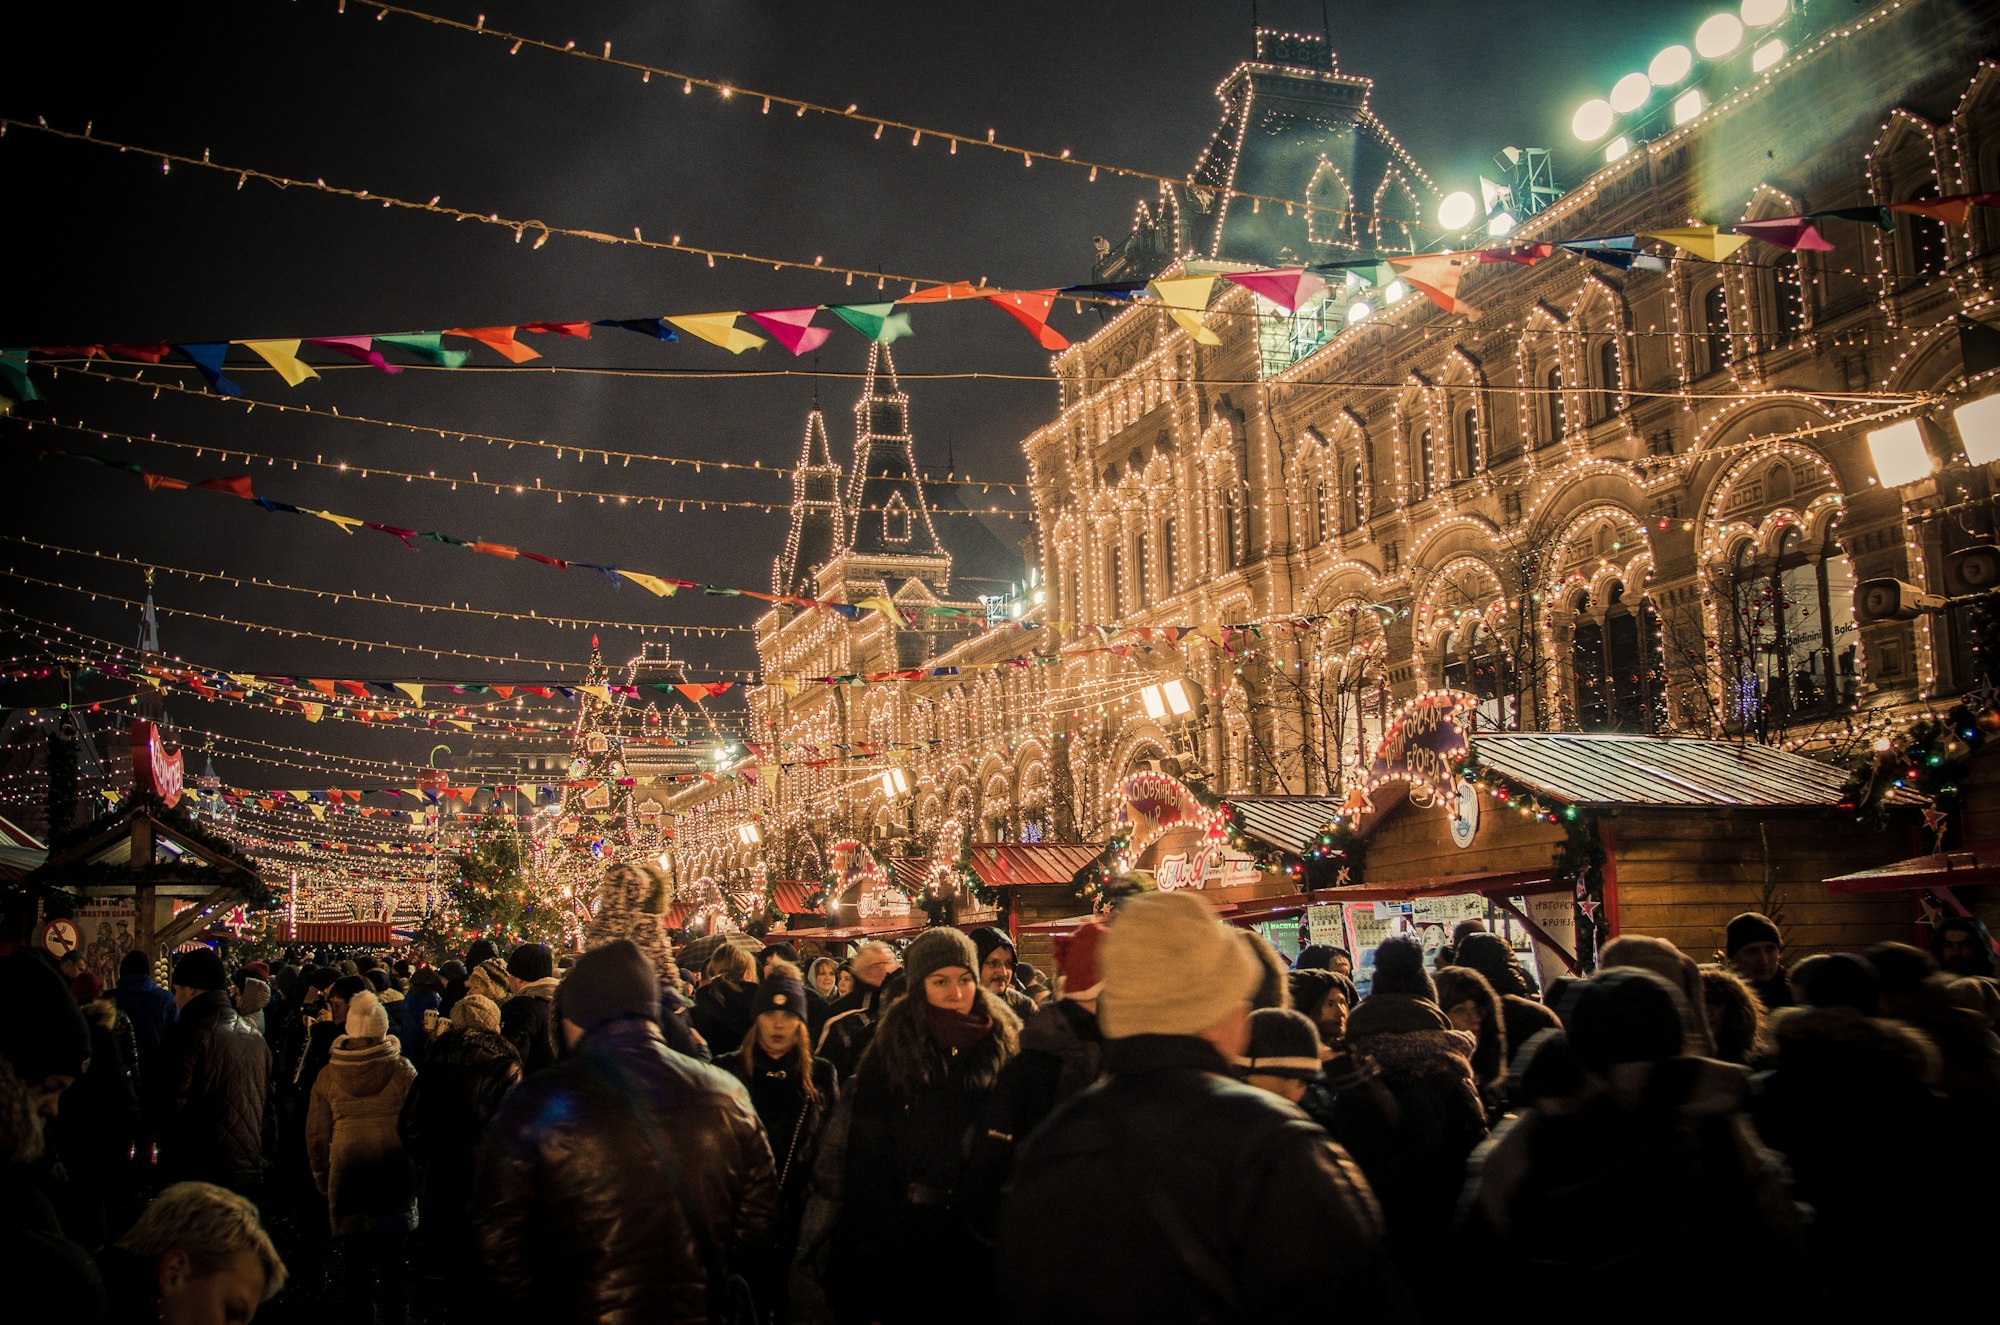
pixel 819 520
pixel 886 512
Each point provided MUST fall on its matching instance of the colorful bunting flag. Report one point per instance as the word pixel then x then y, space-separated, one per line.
pixel 428 345
pixel 1287 287
pixel 498 339
pixel 1704 241
pixel 1031 309
pixel 283 355
pixel 1436 276
pixel 356 347
pixel 345 523
pixel 237 485
pixel 1789 232
pixel 1876 216
pixel 645 326
pixel 938 294
pixel 652 584
pixel 207 358
pixel 878 322
pixel 1951 211
pixel 718 329
pixel 1185 299
pixel 793 328
pixel 14 376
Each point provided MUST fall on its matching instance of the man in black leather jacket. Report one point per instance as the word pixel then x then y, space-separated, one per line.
pixel 579 1213
pixel 209 1094
pixel 1232 1204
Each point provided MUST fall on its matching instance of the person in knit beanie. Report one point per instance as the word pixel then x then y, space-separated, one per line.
pixel 1421 1114
pixel 1283 1055
pixel 1269 1212
pixel 1756 950
pixel 358 1161
pixel 632 902
pixel 922 1084
pixel 527 1018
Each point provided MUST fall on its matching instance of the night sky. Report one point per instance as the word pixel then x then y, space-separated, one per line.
pixel 104 247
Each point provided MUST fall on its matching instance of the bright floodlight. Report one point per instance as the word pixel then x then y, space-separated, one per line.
pixel 1979 428
pixel 1763 13
pixel 1358 311
pixel 1767 55
pixel 1718 37
pixel 1394 291
pixel 1456 211
pixel 1670 66
pixel 1617 148
pixel 1500 223
pixel 1630 92
pixel 1592 120
pixel 1900 455
pixel 1688 105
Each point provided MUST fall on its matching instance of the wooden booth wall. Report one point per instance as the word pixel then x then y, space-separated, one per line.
pixel 1408 844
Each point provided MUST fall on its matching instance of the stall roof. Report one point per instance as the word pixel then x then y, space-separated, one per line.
pixel 1948 869
pixel 1031 864
pixel 849 933
pixel 373 932
pixel 790 895
pixel 1613 770
pixel 1291 823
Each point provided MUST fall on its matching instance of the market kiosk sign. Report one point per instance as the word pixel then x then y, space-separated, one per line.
pixel 1425 746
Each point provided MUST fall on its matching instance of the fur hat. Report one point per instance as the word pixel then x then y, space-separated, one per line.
pixel 935 949
pixel 488 978
pixel 1283 1043
pixel 1171 968
pixel 200 969
pixel 1750 927
pixel 531 962
pixel 780 991
pixel 43 1034
pixel 480 951
pixel 366 1017
pixel 1677 969
pixel 612 983
pixel 477 1010
pixel 1399 969
pixel 1078 956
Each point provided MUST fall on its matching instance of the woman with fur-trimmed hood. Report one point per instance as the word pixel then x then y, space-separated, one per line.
pixel 917 1092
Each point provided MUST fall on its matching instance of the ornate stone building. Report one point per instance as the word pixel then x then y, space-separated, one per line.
pixel 1625 495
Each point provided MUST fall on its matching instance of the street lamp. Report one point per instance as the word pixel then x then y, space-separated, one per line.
pixel 1162 700
pixel 895 782
pixel 1899 453
pixel 1979 429
pixel 749 834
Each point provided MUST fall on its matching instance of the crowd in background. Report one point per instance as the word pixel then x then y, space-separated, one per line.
pixel 1186 1127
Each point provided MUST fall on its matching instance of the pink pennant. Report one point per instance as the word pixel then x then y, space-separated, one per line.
pixel 793 328
pixel 1526 255
pixel 1287 287
pixel 356 347
pixel 1792 232
pixel 1436 276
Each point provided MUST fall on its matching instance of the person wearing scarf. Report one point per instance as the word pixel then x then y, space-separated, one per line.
pixel 917 1092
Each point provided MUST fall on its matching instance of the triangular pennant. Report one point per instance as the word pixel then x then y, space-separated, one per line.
pixel 1876 216
pixel 938 294
pixel 1704 241
pixel 1525 255
pixel 578 330
pixel 428 345
pixel 282 355
pixel 154 482
pixel 718 329
pixel 356 347
pixel 645 326
pixel 653 584
pixel 1031 309
pixel 346 523
pixel 793 328
pixel 497 550
pixel 237 485
pixel 1287 287
pixel 14 376
pixel 499 339
pixel 1185 298
pixel 878 322
pixel 323 686
pixel 695 694
pixel 1950 211
pixel 1436 276
pixel 1790 232
pixel 207 358
pixel 412 689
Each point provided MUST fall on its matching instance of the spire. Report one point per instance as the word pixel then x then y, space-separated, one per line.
pixel 886 512
pixel 819 521
pixel 149 621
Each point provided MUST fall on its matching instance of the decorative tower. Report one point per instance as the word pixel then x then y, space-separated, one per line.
pixel 819 520
pixel 596 814
pixel 890 537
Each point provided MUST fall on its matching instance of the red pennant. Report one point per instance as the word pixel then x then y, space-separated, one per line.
pixel 1031 310
pixel 236 486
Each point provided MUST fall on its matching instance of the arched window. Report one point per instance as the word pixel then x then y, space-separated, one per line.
pixel 1586 663
pixel 1477 663
pixel 1552 405
pixel 1357 498
pixel 1795 627
pixel 1425 479
pixel 1788 291
pixel 1468 442
pixel 1632 664
pixel 1715 330
pixel 1169 575
pixel 1607 379
pixel 1114 581
pixel 1929 251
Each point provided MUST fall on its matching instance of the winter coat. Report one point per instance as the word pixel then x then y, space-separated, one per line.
pixel 527 1019
pixel 1647 1181
pixel 1169 1192
pixel 208 1096
pixel 1524 1019
pixel 1412 1123
pixel 152 1011
pixel 676 1029
pixel 1062 1052
pixel 722 1014
pixel 410 1023
pixel 905 1169
pixel 577 1220
pixel 791 1126
pixel 97 1128
pixel 849 1025
pixel 358 1162
pixel 467 1071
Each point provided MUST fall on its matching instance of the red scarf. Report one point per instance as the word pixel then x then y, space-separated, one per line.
pixel 957 1031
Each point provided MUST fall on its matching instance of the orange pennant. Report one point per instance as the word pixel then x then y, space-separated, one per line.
pixel 937 294
pixel 1031 309
pixel 500 339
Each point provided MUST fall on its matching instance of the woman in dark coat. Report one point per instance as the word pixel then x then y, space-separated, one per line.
pixel 721 1012
pixel 903 1243
pixel 1470 1003
pixel 793 1093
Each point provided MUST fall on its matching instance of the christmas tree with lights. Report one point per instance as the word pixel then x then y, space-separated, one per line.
pixel 495 895
pixel 596 823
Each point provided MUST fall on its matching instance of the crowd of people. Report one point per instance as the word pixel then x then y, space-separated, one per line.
pixel 1186 1127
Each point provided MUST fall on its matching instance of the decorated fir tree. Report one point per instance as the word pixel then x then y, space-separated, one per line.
pixel 495 895
pixel 596 817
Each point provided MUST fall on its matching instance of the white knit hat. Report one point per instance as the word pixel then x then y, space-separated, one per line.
pixel 366 1017
pixel 476 1010
pixel 1171 968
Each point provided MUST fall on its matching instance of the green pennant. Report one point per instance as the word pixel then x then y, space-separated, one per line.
pixel 427 345
pixel 878 322
pixel 14 376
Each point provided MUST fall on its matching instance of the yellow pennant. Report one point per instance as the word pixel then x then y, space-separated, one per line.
pixel 412 689
pixel 1185 299
pixel 718 329
pixel 348 524
pixel 282 355
pixel 1704 241
pixel 600 693
pixel 652 584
